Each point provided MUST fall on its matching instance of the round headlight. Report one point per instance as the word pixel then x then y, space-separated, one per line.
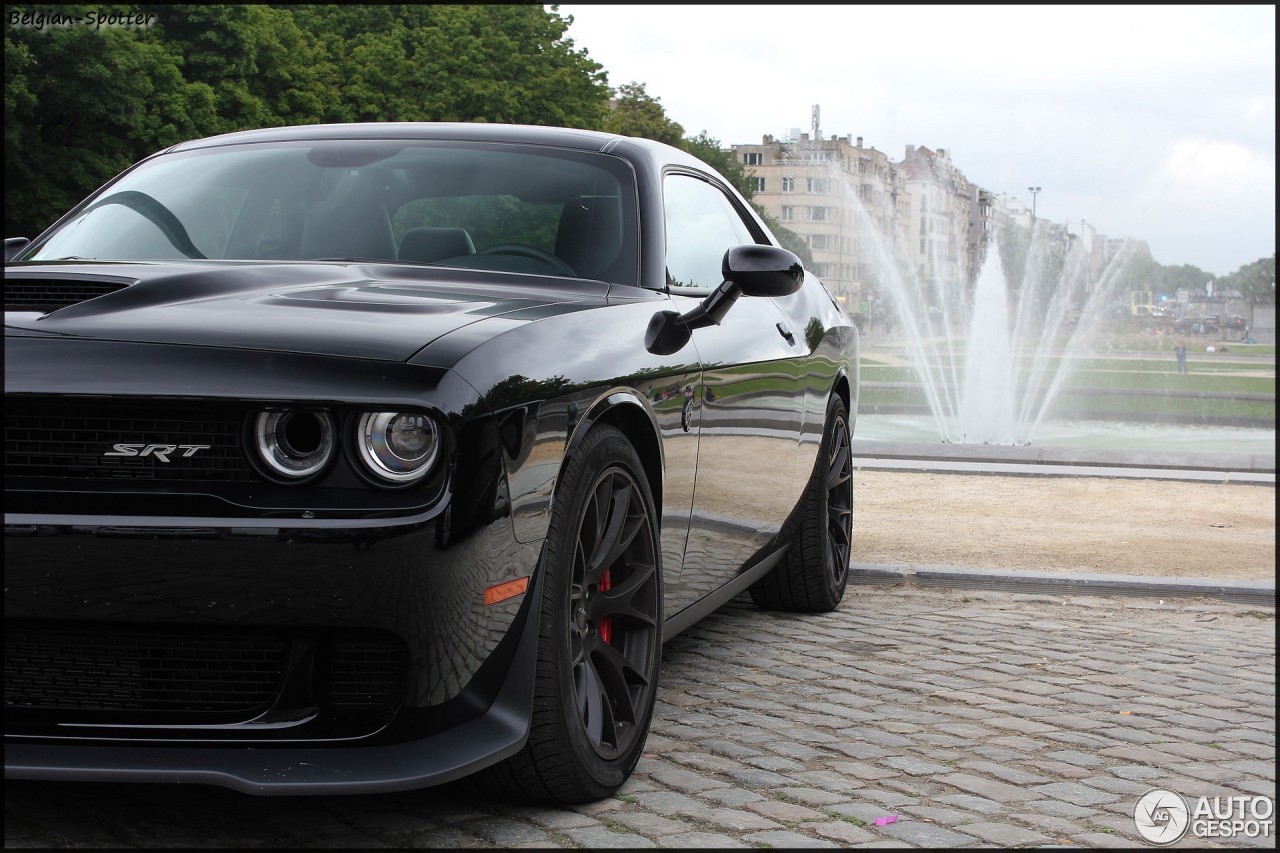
pixel 293 445
pixel 398 447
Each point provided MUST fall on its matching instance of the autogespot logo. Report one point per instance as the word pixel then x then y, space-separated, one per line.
pixel 1161 817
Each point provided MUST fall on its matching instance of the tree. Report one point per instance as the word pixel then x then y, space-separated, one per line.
pixel 264 70
pixel 459 62
pixel 789 239
pixel 82 104
pixel 632 112
pixel 1171 279
pixel 1256 282
pixel 1014 244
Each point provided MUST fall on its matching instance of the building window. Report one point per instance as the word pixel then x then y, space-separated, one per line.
pixel 788 213
pixel 818 214
pixel 753 158
pixel 819 186
pixel 788 185
pixel 820 242
pixel 758 184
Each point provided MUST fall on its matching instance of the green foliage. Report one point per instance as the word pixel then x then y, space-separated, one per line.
pixel 1014 245
pixel 634 113
pixel 1256 281
pixel 1140 272
pixel 263 69
pixel 82 104
pixel 1171 279
pixel 465 62
pixel 789 239
pixel 708 150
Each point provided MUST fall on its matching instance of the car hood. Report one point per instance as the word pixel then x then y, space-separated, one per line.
pixel 352 310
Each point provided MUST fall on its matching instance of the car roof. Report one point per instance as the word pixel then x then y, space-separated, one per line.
pixel 586 140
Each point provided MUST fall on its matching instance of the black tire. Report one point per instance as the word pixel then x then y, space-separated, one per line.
pixel 815 570
pixel 599 654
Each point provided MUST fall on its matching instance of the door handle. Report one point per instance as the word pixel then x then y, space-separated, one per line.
pixel 786 333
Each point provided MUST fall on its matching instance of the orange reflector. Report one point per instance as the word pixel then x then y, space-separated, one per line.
pixel 503 591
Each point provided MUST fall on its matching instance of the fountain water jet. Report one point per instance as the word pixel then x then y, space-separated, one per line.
pixel 993 360
pixel 990 357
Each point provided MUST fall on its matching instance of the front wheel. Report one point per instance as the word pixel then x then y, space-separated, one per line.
pixel 600 631
pixel 815 570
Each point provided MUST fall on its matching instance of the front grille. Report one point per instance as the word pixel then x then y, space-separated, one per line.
pixel 46 295
pixel 138 677
pixel 158 673
pixel 60 440
pixel 365 675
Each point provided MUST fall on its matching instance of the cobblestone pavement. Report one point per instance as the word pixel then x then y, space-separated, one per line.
pixel 976 718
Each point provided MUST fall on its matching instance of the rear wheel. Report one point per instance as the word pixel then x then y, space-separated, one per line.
pixel 600 631
pixel 815 570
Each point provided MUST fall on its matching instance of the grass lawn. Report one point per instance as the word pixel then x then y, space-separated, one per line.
pixel 1219 384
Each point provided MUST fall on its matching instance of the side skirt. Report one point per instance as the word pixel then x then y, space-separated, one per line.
pixel 704 607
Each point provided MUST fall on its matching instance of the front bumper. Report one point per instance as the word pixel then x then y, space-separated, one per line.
pixel 456 697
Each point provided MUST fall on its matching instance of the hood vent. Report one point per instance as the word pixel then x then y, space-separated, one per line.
pixel 46 295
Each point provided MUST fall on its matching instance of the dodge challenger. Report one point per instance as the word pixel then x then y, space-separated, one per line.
pixel 370 457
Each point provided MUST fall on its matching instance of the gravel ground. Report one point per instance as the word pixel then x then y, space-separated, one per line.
pixel 1066 524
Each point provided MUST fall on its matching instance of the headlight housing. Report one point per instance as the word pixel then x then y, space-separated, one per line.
pixel 397 448
pixel 292 446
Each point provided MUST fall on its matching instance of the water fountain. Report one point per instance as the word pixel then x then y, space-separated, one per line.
pixel 991 354
pixel 992 359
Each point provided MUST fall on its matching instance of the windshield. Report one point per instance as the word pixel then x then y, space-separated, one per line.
pixel 516 208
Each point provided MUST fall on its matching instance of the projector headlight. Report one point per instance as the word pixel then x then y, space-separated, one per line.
pixel 292 446
pixel 397 448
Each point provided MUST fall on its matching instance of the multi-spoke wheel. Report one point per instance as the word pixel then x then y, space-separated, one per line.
pixel 815 570
pixel 600 637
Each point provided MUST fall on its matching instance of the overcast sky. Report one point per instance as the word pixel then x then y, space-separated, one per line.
pixel 1153 122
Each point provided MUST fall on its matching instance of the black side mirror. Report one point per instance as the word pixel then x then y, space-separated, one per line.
pixel 748 270
pixel 763 270
pixel 14 245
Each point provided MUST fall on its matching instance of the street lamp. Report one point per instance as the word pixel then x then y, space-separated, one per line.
pixel 1035 191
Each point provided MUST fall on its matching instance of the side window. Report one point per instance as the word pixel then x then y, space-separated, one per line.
pixel 702 224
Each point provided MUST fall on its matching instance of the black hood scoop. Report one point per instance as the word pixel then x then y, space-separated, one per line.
pixel 48 295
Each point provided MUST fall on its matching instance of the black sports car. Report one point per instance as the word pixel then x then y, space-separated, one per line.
pixel 370 457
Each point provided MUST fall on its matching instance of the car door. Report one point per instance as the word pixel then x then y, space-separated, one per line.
pixel 748 413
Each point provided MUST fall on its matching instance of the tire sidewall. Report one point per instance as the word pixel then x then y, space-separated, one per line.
pixel 837 421
pixel 601 450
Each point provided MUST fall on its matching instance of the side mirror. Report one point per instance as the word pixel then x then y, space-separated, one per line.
pixel 14 245
pixel 763 270
pixel 748 270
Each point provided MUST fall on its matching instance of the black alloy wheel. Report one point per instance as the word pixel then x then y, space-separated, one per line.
pixel 839 486
pixel 600 630
pixel 814 572
pixel 613 614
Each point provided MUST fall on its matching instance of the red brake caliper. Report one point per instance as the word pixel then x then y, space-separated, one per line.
pixel 606 624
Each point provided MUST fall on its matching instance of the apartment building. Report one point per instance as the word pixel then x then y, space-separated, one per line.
pixel 943 205
pixel 846 201
pixel 865 216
